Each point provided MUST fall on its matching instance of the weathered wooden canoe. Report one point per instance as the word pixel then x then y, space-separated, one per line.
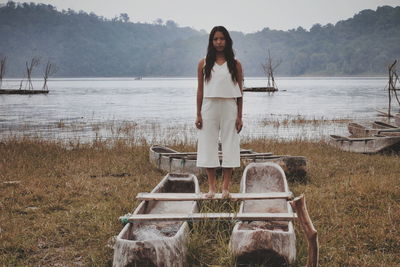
pixel 368 145
pixel 358 130
pixel 167 159
pixel 383 125
pixel 158 243
pixel 259 242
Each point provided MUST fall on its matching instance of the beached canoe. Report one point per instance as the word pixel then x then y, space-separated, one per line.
pixel 167 159
pixel 258 242
pixel 358 130
pixel 367 145
pixel 161 243
pixel 383 125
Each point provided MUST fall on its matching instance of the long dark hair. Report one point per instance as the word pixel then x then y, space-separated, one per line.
pixel 228 53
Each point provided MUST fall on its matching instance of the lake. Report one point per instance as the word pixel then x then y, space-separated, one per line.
pixel 159 108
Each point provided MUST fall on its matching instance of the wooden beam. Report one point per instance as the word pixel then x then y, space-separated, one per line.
pixel 202 196
pixel 243 151
pixel 299 205
pixel 210 216
pixel 254 155
pixel 242 154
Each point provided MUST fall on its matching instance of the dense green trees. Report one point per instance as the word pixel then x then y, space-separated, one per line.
pixel 82 44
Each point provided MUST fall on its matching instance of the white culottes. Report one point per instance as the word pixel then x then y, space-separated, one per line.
pixel 219 121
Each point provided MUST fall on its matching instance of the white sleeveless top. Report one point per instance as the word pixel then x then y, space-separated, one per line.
pixel 221 84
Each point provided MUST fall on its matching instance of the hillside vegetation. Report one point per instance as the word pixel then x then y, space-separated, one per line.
pixel 86 45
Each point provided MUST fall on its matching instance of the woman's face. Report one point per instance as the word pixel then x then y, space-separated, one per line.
pixel 219 41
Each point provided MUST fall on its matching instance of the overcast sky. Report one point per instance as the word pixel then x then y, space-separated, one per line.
pixel 240 15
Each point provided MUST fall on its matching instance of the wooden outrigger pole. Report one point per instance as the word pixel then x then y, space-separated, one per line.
pixel 299 205
pixel 393 78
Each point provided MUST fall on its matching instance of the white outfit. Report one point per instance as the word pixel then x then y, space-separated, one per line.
pixel 219 113
pixel 221 84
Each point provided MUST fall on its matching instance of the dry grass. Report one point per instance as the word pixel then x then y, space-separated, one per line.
pixel 290 120
pixel 65 208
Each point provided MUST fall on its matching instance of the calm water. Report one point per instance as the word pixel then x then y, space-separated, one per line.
pixel 79 108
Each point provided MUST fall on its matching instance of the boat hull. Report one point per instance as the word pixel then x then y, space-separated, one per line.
pixel 170 163
pixel 158 243
pixel 258 242
pixel 358 130
pixel 294 166
pixel 369 145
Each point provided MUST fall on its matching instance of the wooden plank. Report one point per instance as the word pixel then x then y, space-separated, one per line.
pixel 232 196
pixel 256 155
pixel 211 216
pixel 242 152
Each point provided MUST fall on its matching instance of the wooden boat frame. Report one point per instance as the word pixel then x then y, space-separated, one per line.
pixel 298 204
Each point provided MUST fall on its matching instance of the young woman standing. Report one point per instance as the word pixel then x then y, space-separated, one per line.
pixel 219 109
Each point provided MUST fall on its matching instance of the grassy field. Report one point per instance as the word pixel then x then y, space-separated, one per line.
pixel 62 208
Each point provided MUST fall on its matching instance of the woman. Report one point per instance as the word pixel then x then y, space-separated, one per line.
pixel 219 109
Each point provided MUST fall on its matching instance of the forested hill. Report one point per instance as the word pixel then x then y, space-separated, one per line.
pixel 86 45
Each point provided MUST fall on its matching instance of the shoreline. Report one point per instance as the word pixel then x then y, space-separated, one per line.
pixel 277 127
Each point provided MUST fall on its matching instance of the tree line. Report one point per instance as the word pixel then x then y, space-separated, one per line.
pixel 83 44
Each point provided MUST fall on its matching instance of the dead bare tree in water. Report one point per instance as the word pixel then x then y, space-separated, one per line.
pixel 49 70
pixel 29 69
pixel 3 61
pixel 393 79
pixel 269 67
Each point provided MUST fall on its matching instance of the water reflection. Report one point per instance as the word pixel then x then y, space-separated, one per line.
pixel 157 108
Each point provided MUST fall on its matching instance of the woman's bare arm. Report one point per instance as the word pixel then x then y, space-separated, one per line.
pixel 200 87
pixel 239 101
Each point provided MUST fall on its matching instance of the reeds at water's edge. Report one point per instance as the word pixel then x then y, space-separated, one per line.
pixel 64 210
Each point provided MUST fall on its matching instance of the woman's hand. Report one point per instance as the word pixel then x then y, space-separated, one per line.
pixel 199 122
pixel 239 124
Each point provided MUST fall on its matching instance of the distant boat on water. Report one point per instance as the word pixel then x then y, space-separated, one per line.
pixel 22 92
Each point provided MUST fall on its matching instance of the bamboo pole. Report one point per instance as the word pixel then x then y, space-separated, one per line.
pixel 391 85
pixel 202 196
pixel 299 205
pixel 210 216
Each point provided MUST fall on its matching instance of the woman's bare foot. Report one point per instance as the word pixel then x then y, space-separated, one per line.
pixel 225 194
pixel 210 194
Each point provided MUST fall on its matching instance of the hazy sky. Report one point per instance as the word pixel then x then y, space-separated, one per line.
pixel 240 15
